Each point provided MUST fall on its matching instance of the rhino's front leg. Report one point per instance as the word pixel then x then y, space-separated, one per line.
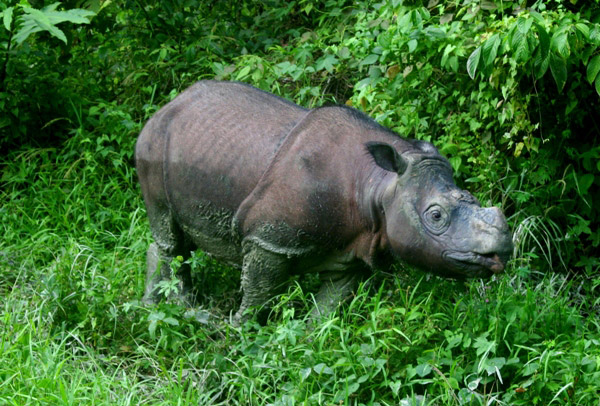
pixel 264 275
pixel 336 288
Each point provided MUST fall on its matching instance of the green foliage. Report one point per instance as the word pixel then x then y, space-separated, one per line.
pixel 34 71
pixel 508 93
pixel 33 20
pixel 538 41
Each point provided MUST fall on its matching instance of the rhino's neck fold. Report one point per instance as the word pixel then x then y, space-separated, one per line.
pixel 371 190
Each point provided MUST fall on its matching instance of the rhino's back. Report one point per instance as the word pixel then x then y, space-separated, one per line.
pixel 221 138
pixel 213 143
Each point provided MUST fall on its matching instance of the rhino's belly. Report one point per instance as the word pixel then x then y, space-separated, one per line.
pixel 327 262
pixel 210 229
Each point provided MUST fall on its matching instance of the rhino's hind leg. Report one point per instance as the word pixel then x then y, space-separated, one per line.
pixel 264 275
pixel 157 270
pixel 169 243
pixel 336 288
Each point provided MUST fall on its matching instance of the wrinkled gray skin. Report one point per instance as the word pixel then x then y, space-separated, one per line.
pixel 276 189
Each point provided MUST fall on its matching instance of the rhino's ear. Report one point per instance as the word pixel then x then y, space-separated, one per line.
pixel 387 157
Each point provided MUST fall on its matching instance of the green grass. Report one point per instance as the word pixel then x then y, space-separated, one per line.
pixel 72 253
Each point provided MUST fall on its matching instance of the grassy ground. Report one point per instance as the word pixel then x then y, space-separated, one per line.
pixel 72 253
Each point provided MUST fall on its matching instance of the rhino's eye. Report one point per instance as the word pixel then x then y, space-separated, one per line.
pixel 436 219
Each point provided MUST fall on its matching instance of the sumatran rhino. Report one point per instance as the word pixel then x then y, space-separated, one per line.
pixel 279 190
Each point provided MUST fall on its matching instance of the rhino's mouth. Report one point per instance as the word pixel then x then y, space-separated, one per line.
pixel 474 264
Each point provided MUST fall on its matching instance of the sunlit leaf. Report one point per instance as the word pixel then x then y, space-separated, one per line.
pixel 7 16
pixel 490 49
pixel 35 20
pixel 522 53
pixel 423 370
pixel 412 45
pixel 326 62
pixel 595 35
pixel 593 68
pixel 369 60
pixel 473 62
pixel 583 29
pixel 524 25
pixel 323 369
pixel 560 43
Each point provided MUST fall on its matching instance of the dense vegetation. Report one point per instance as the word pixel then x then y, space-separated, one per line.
pixel 507 90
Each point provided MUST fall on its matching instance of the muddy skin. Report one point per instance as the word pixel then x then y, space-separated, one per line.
pixel 276 189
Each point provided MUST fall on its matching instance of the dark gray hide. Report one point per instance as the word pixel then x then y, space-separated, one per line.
pixel 261 183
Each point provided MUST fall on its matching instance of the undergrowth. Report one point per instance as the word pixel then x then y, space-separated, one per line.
pixel 73 330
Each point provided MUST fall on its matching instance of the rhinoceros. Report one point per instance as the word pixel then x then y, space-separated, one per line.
pixel 276 189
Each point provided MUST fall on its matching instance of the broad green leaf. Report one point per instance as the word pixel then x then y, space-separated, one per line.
pixel 488 5
pixel 560 43
pixel 395 386
pixel 524 25
pixel 435 32
pixel 369 60
pixel 516 39
pixel 171 321
pixel 540 63
pixel 473 62
pixel 75 16
pixel 530 368
pixel 7 17
pixel 455 162
pixel 593 68
pixel 496 362
pixel 412 45
pixel 152 328
pixel 539 19
pixel 494 365
pixel 25 32
pixel 598 85
pixel 46 19
pixel 595 35
pixel 322 369
pixel 305 373
pixel 558 67
pixel 518 149
pixel 544 40
pixel 39 17
pixel 490 49
pixel 453 63
pixel 521 51
pixel 33 18
pixel 326 62
pixel 585 182
pixel 583 29
pixel 243 73
pixel 423 370
pixel 344 53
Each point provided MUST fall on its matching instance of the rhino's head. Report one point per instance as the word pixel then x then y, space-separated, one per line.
pixel 432 223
